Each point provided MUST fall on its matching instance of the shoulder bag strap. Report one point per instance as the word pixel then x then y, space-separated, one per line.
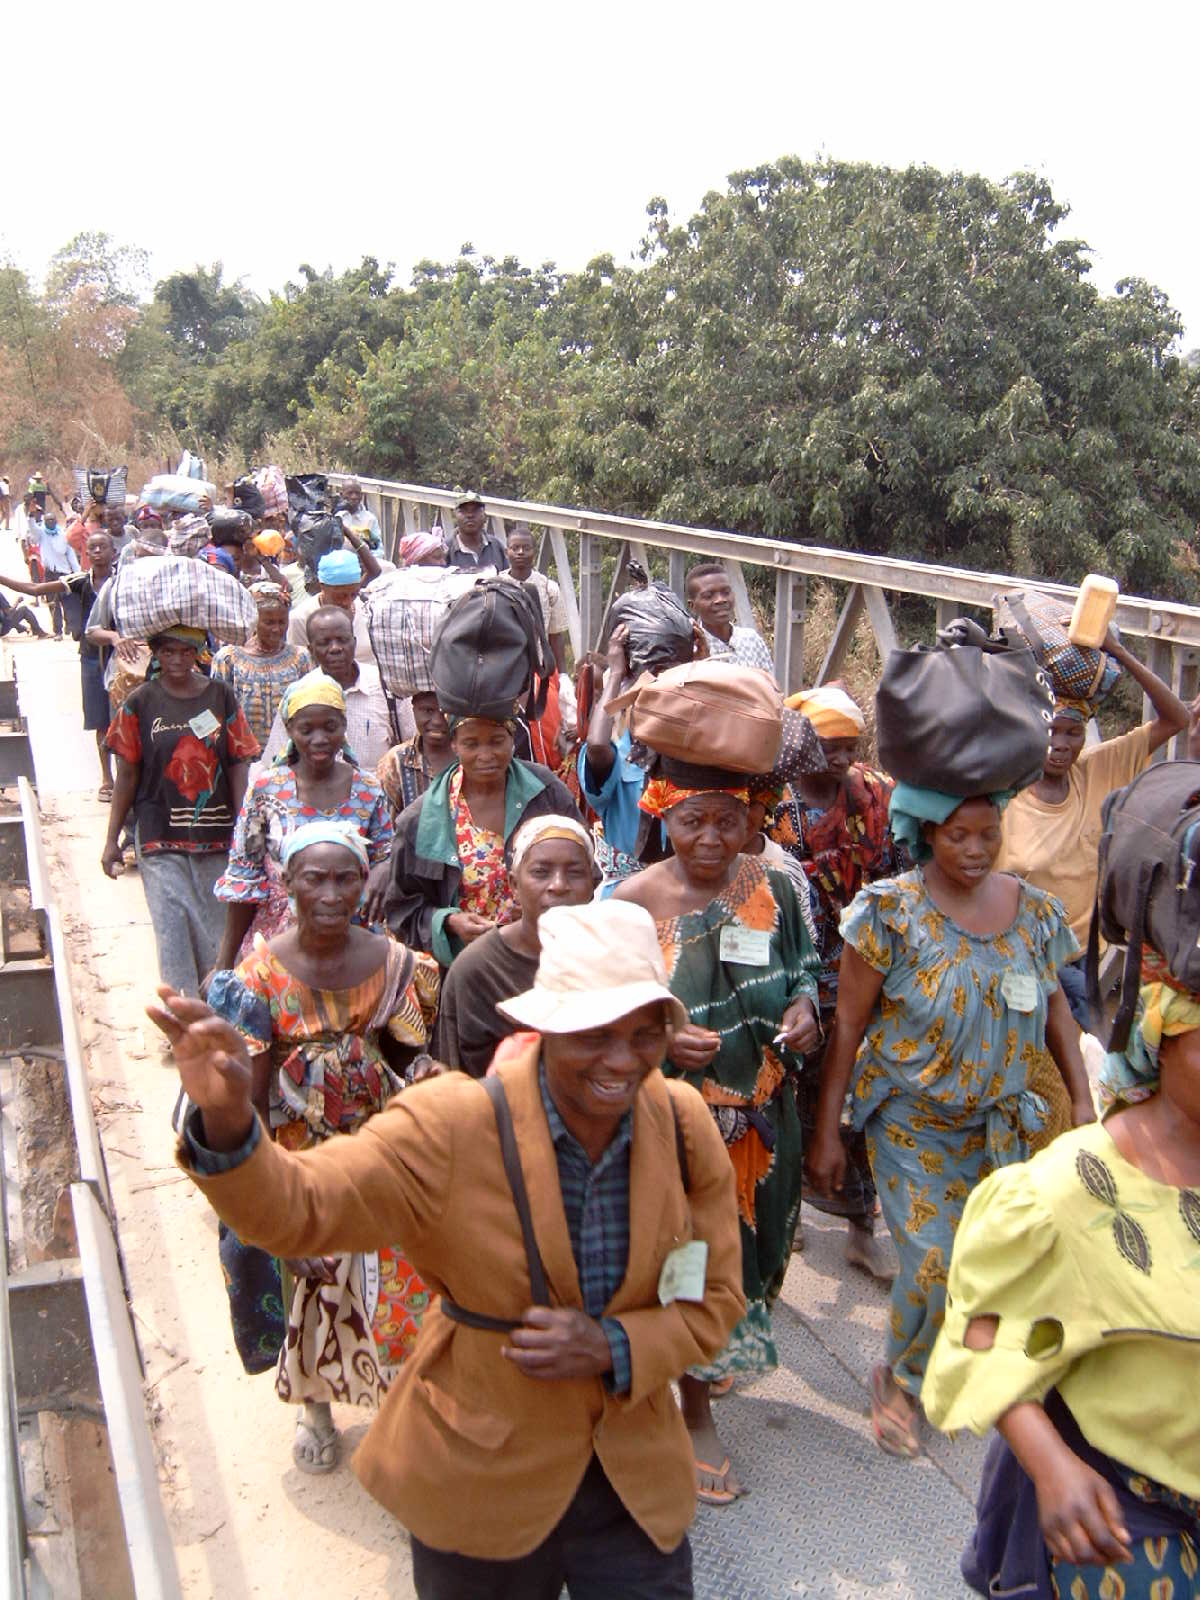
pixel 511 1157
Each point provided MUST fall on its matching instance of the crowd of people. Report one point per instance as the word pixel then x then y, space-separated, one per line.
pixel 597 1025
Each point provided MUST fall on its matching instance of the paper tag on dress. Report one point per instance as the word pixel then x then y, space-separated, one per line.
pixel 747 947
pixel 204 724
pixel 1020 990
pixel 682 1275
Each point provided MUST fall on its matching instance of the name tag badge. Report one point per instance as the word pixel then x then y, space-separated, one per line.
pixel 1020 990
pixel 204 724
pixel 682 1275
pixel 747 947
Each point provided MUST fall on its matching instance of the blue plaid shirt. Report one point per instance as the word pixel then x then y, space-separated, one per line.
pixel 596 1201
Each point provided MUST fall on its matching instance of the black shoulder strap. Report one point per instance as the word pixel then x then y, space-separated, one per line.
pixel 680 1146
pixel 511 1157
pixel 1127 1007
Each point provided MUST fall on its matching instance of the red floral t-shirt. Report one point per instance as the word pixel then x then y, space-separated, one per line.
pixel 184 749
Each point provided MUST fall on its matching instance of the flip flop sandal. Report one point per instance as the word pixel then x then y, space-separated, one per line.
pixel 326 1446
pixel 716 1497
pixel 894 1434
pixel 104 792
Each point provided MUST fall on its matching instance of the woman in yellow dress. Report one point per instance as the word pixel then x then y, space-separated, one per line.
pixel 1073 1328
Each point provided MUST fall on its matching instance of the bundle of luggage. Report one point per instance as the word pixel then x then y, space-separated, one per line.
pixel 404 611
pixel 1075 672
pixel 103 486
pixel 173 591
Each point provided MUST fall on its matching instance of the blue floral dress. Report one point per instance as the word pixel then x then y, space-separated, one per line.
pixel 942 1078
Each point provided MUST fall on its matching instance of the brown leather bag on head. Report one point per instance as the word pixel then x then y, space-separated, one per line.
pixel 710 712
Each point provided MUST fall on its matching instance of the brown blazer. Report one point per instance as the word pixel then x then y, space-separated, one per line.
pixel 468 1453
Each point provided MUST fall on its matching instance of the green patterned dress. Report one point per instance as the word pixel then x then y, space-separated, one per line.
pixel 749 1084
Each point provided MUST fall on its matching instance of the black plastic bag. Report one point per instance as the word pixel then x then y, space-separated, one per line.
pixel 308 495
pixel 315 536
pixel 660 627
pixel 247 497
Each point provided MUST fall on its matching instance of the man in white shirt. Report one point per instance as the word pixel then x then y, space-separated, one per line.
pixel 356 518
pixel 709 595
pixel 57 559
pixel 369 731
pixel 519 547
pixel 341 575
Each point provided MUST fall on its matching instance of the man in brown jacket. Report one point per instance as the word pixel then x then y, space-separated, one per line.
pixel 581 1229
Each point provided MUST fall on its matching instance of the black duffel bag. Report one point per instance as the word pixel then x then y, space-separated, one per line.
pixel 490 651
pixel 1148 885
pixel 970 715
pixel 247 497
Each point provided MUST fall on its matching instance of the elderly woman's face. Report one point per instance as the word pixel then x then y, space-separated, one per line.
pixel 839 756
pixel 553 872
pixel 707 831
pixel 327 883
pixel 966 845
pixel 596 1074
pixel 318 733
pixel 272 625
pixel 485 749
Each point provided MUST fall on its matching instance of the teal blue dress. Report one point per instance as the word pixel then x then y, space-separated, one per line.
pixel 941 1080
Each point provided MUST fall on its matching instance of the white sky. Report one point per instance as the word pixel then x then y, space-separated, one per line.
pixel 263 134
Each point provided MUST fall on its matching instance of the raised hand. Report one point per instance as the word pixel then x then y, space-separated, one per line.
pixel 214 1066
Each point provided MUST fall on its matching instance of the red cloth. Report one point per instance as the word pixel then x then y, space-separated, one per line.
pixel 77 539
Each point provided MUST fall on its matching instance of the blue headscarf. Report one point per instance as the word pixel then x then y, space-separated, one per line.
pixel 338 568
pixel 910 807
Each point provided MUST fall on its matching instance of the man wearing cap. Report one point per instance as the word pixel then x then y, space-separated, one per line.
pixel 532 1440
pixel 471 546
pixel 341 575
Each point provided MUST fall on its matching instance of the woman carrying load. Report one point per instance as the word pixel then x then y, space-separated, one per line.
pixel 260 672
pixel 739 957
pixel 450 881
pixel 321 1008
pixel 1073 1329
pixel 948 999
pixel 314 779
pixel 835 824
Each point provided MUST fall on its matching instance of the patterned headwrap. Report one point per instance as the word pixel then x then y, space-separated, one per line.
pixel 538 829
pixel 676 781
pixel 266 590
pixel 1164 1012
pixel 178 633
pixel 146 517
pixel 830 710
pixel 315 688
pixel 1064 706
pixel 909 808
pixel 326 832
pixel 507 722
pixel 415 545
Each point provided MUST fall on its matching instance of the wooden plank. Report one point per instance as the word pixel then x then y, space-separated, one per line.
pixel 843 634
pixel 147 1536
pixel 566 582
pixel 881 621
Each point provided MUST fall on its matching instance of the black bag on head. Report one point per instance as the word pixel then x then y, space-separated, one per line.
pixel 970 715
pixel 247 497
pixel 660 628
pixel 490 650
pixel 308 495
pixel 315 535
pixel 1148 886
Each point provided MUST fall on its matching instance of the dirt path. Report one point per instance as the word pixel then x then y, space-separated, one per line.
pixel 245 1521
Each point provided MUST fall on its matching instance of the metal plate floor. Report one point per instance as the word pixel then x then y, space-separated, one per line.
pixel 829 1516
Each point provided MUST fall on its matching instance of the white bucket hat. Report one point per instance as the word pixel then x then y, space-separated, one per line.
pixel 599 962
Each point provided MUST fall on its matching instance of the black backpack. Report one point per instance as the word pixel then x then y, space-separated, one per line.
pixel 316 535
pixel 1148 888
pixel 490 649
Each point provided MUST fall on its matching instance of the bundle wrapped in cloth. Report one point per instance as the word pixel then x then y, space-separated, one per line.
pixel 1079 676
pixel 171 591
pixel 968 716
pixel 404 609
pixel 170 491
